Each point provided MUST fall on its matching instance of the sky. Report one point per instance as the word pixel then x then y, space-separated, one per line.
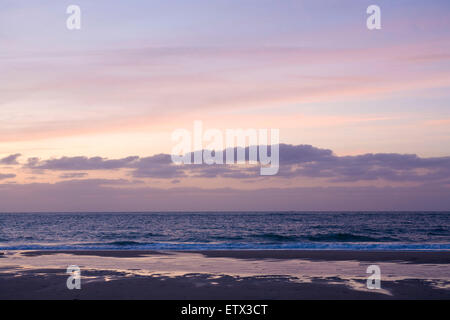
pixel 87 115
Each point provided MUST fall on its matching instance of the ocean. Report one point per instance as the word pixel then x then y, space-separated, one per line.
pixel 226 230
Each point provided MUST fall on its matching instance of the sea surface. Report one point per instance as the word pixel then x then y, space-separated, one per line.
pixel 222 230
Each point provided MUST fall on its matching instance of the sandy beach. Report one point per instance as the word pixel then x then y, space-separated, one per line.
pixel 257 274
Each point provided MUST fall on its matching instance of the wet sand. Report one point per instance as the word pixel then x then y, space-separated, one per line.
pixel 256 274
pixel 338 255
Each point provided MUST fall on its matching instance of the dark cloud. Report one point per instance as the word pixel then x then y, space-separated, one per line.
pixel 387 166
pixel 295 162
pixel 10 160
pixel 80 163
pixel 290 154
pixel 73 175
pixel 158 166
pixel 7 176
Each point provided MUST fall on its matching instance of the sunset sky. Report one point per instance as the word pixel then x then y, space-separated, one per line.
pixel 87 115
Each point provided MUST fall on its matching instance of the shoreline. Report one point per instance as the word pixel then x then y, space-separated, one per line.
pixel 408 256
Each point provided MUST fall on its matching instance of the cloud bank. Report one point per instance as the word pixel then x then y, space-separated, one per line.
pixel 295 162
pixel 156 184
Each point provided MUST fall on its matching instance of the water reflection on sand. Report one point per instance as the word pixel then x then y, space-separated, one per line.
pixel 176 264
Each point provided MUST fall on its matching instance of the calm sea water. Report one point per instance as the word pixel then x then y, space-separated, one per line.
pixel 192 231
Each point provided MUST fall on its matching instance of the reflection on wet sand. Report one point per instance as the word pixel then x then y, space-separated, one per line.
pixel 206 274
